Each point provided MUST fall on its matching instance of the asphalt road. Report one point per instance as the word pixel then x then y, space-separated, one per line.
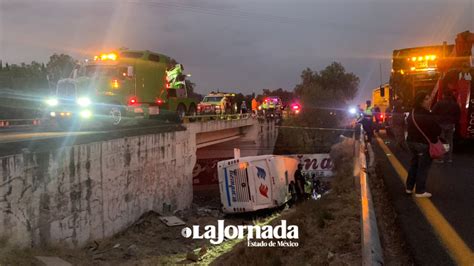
pixel 452 186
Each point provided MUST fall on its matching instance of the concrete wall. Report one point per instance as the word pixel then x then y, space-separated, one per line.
pixel 79 193
pixel 91 191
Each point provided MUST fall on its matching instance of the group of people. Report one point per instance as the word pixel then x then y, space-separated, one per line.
pixel 415 132
pixel 423 126
pixel 303 187
pixel 254 106
pixel 366 118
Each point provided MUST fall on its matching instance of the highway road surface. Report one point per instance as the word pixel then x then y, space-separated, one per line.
pixel 439 230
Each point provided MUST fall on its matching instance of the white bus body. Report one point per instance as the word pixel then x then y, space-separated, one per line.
pixel 253 183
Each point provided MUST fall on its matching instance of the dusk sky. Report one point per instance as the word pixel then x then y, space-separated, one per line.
pixel 235 45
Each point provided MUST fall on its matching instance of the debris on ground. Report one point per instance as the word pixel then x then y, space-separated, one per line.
pixel 172 221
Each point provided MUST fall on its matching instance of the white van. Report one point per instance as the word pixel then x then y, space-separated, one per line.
pixel 253 183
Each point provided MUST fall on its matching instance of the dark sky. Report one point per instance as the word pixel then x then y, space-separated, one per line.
pixel 235 44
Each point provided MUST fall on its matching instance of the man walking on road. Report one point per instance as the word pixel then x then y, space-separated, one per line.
pixel 447 112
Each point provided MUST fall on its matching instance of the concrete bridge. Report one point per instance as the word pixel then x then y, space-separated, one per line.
pixel 72 188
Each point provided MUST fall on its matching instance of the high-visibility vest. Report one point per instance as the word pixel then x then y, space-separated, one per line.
pixel 368 111
pixel 254 104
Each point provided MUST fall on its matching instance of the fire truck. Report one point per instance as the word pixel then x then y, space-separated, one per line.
pixel 124 83
pixel 434 69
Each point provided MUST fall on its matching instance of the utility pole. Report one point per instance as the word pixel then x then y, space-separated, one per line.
pixel 380 64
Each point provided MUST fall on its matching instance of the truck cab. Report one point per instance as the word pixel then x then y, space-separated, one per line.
pixel 252 183
pixel 217 103
pixel 119 84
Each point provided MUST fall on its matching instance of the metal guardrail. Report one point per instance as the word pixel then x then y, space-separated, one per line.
pixel 321 128
pixel 22 123
pixel 371 248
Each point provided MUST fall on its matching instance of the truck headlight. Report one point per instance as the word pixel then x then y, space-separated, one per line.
pixel 84 101
pixel 86 114
pixel 52 101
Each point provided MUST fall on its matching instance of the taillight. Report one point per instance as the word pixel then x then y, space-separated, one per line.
pixel 132 100
pixel 381 116
pixel 167 85
pixel 295 107
pixel 159 101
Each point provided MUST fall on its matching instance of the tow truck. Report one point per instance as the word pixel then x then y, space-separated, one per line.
pixel 123 83
pixel 434 69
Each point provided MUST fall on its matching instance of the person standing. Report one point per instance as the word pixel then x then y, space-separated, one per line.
pixel 299 183
pixel 420 122
pixel 398 124
pixel 254 106
pixel 243 107
pixel 447 112
pixel 366 121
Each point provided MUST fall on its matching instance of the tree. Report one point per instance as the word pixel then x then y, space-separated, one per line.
pixel 190 90
pixel 59 67
pixel 325 94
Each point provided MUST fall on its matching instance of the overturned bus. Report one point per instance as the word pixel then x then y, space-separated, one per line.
pixel 253 183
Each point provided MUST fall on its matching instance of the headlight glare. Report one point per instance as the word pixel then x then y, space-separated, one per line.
pixel 84 101
pixel 52 101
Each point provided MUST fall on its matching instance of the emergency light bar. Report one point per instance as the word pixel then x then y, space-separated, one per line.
pixel 104 57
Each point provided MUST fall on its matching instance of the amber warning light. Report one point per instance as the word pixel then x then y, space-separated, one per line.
pixel 104 57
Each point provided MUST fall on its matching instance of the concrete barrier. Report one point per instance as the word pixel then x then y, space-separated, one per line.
pixel 80 193
pixel 75 194
pixel 372 253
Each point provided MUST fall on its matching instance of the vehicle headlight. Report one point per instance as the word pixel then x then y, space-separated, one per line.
pixel 84 101
pixel 86 114
pixel 52 101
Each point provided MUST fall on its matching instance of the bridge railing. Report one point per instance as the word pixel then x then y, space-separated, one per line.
pixel 205 118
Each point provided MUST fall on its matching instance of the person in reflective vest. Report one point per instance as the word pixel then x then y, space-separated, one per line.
pixel 254 106
pixel 366 121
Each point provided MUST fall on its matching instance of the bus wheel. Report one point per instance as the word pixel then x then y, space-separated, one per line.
pixel 115 114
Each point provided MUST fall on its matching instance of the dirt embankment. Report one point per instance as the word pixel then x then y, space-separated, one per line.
pixel 329 228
